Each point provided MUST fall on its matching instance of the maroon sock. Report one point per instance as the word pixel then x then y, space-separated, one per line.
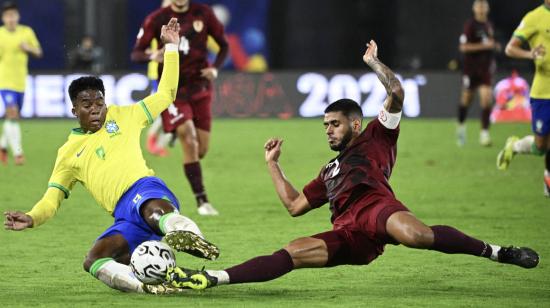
pixel 462 113
pixel 261 268
pixel 450 240
pixel 485 118
pixel 194 175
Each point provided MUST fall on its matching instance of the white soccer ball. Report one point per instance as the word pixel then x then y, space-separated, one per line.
pixel 150 261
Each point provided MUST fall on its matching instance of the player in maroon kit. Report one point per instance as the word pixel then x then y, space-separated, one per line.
pixel 478 45
pixel 190 116
pixel 365 213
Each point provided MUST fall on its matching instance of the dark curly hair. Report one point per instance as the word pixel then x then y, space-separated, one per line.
pixel 347 106
pixel 85 83
pixel 9 5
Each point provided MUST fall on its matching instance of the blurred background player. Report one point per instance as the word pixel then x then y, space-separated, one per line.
pixel 478 45
pixel 156 138
pixel 17 42
pixel 87 56
pixel 190 116
pixel 533 30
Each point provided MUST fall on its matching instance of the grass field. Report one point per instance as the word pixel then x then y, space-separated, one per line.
pixel 439 182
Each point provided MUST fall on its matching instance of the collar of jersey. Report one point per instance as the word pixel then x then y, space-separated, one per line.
pixel 80 131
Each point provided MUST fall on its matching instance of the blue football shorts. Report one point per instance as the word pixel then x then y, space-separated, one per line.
pixel 540 111
pixel 12 98
pixel 128 221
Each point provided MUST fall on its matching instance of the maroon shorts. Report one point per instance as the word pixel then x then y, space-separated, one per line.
pixel 197 108
pixel 472 81
pixel 359 234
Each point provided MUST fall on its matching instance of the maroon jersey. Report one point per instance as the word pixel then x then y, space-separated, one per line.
pixel 195 25
pixel 359 174
pixel 479 61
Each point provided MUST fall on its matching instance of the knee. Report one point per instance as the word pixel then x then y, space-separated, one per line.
pixel 418 238
pixel 189 141
pixel 88 262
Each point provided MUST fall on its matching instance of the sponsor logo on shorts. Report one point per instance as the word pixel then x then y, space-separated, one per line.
pixel 136 198
pixel 539 124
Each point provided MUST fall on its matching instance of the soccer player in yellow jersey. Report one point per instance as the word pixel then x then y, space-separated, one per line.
pixel 18 41
pixel 534 30
pixel 104 155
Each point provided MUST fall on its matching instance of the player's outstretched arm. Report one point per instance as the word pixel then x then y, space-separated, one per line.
pixel 514 50
pixel 394 100
pixel 168 85
pixel 41 212
pixel 295 202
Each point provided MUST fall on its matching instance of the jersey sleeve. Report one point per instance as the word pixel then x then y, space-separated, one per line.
pixel 381 132
pixel 32 40
pixel 150 107
pixel 467 35
pixel 316 192
pixel 59 187
pixel 526 29
pixel 143 40
pixel 216 31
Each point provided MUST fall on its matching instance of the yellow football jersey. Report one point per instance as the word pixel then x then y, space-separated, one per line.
pixel 535 29
pixel 13 60
pixel 109 161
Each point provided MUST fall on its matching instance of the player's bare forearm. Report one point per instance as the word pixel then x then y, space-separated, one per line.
pixel 289 196
pixel 475 47
pixel 514 50
pixel 394 102
pixel 139 56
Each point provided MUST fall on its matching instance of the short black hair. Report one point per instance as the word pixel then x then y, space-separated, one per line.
pixel 347 106
pixel 85 83
pixel 9 5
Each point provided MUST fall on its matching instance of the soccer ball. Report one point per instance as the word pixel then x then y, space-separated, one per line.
pixel 150 261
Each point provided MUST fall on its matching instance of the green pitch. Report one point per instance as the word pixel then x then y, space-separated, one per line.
pixel 439 182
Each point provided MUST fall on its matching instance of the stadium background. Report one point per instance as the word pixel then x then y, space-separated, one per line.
pixel 314 50
pixel 311 61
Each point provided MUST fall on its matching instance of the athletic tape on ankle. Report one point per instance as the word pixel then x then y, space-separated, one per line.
pixel 536 151
pixel 97 265
pixel 162 221
pixel 389 120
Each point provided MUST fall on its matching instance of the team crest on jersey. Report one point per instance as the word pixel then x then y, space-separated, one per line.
pixel 111 127
pixel 336 169
pixel 198 25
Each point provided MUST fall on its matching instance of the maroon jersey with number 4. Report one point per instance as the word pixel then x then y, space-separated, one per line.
pixel 359 175
pixel 195 25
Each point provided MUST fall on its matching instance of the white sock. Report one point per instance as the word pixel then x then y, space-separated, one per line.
pixel 13 133
pixel 155 127
pixel 176 222
pixel 223 276
pixel 524 145
pixel 119 276
pixel 4 137
pixel 484 133
pixel 163 139
pixel 494 254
